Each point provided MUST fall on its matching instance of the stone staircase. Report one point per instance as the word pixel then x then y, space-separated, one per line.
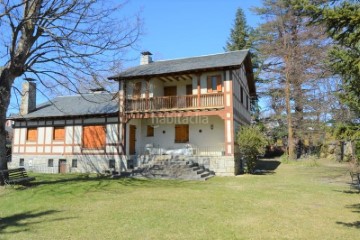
pixel 173 168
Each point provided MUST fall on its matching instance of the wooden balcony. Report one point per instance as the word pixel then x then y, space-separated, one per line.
pixel 187 102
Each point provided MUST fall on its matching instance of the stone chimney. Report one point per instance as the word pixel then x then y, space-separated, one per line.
pixel 28 98
pixel 145 58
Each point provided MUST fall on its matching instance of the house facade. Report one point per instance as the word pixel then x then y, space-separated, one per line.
pixel 190 108
pixel 68 134
pixel 187 109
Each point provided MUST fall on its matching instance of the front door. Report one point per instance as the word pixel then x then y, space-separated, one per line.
pixel 62 166
pixel 132 139
pixel 171 101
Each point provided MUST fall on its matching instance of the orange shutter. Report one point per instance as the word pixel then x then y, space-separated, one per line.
pixel 94 137
pixel 218 83
pixel 150 131
pixel 59 133
pixel 209 84
pixel 31 134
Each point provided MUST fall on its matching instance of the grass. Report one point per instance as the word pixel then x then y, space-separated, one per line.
pixel 298 201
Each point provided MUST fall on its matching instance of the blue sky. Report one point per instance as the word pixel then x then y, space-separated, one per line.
pixel 185 28
pixel 179 28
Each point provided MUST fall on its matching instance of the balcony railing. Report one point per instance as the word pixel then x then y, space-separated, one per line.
pixel 211 100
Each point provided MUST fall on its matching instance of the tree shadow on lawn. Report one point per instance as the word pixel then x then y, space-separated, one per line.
pixel 101 183
pixel 266 166
pixel 22 221
pixel 355 224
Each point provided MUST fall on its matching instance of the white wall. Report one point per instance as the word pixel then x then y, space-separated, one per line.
pixel 205 138
pixel 240 79
pixel 71 144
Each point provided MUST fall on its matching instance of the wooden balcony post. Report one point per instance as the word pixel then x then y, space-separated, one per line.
pixel 147 93
pixel 198 89
pixel 122 118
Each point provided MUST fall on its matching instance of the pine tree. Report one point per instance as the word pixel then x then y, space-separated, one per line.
pixel 240 33
pixel 342 19
pixel 292 51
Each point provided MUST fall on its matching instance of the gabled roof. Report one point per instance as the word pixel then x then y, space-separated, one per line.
pixel 185 65
pixel 76 105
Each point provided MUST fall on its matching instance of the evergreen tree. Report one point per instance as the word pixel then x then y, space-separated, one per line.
pixel 240 33
pixel 342 20
pixel 293 52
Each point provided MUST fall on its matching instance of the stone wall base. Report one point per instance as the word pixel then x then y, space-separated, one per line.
pixel 85 163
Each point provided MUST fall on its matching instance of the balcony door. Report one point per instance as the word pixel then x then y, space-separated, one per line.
pixel 170 100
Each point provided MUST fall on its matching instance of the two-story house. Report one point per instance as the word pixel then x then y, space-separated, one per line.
pixel 190 107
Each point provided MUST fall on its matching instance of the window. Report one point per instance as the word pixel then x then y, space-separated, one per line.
pixel 31 134
pixel 111 163
pixel 189 89
pixel 181 133
pixel 59 133
pixel 94 136
pixel 214 84
pixel 247 103
pixel 241 94
pixel 21 162
pixel 137 90
pixel 51 163
pixel 74 163
pixel 150 131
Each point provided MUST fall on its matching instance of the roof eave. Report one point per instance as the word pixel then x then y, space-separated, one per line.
pixel 192 71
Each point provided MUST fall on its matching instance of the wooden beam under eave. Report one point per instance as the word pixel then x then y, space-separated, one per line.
pixel 173 79
pixel 187 77
pixel 163 79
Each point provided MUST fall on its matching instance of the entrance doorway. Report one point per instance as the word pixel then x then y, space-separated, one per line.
pixel 62 165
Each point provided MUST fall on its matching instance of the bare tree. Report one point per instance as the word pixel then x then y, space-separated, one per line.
pixel 63 44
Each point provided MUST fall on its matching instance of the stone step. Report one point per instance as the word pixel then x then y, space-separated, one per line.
pixel 208 177
pixel 171 168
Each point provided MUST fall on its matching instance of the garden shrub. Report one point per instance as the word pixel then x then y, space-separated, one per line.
pixel 252 143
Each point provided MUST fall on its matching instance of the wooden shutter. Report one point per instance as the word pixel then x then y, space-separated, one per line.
pixel 218 83
pixel 150 131
pixel 31 134
pixel 209 84
pixel 94 136
pixel 59 133
pixel 214 84
pixel 181 133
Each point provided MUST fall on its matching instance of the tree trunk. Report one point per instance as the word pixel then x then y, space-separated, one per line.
pixel 291 148
pixel 6 81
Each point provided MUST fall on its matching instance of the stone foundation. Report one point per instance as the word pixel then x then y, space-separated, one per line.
pixel 221 165
pixel 85 163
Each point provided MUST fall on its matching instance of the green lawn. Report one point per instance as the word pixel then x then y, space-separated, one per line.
pixel 298 201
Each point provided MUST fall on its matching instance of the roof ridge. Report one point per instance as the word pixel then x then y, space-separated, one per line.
pixel 208 55
pixel 81 94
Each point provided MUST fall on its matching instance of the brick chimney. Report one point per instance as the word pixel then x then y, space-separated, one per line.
pixel 145 58
pixel 28 98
